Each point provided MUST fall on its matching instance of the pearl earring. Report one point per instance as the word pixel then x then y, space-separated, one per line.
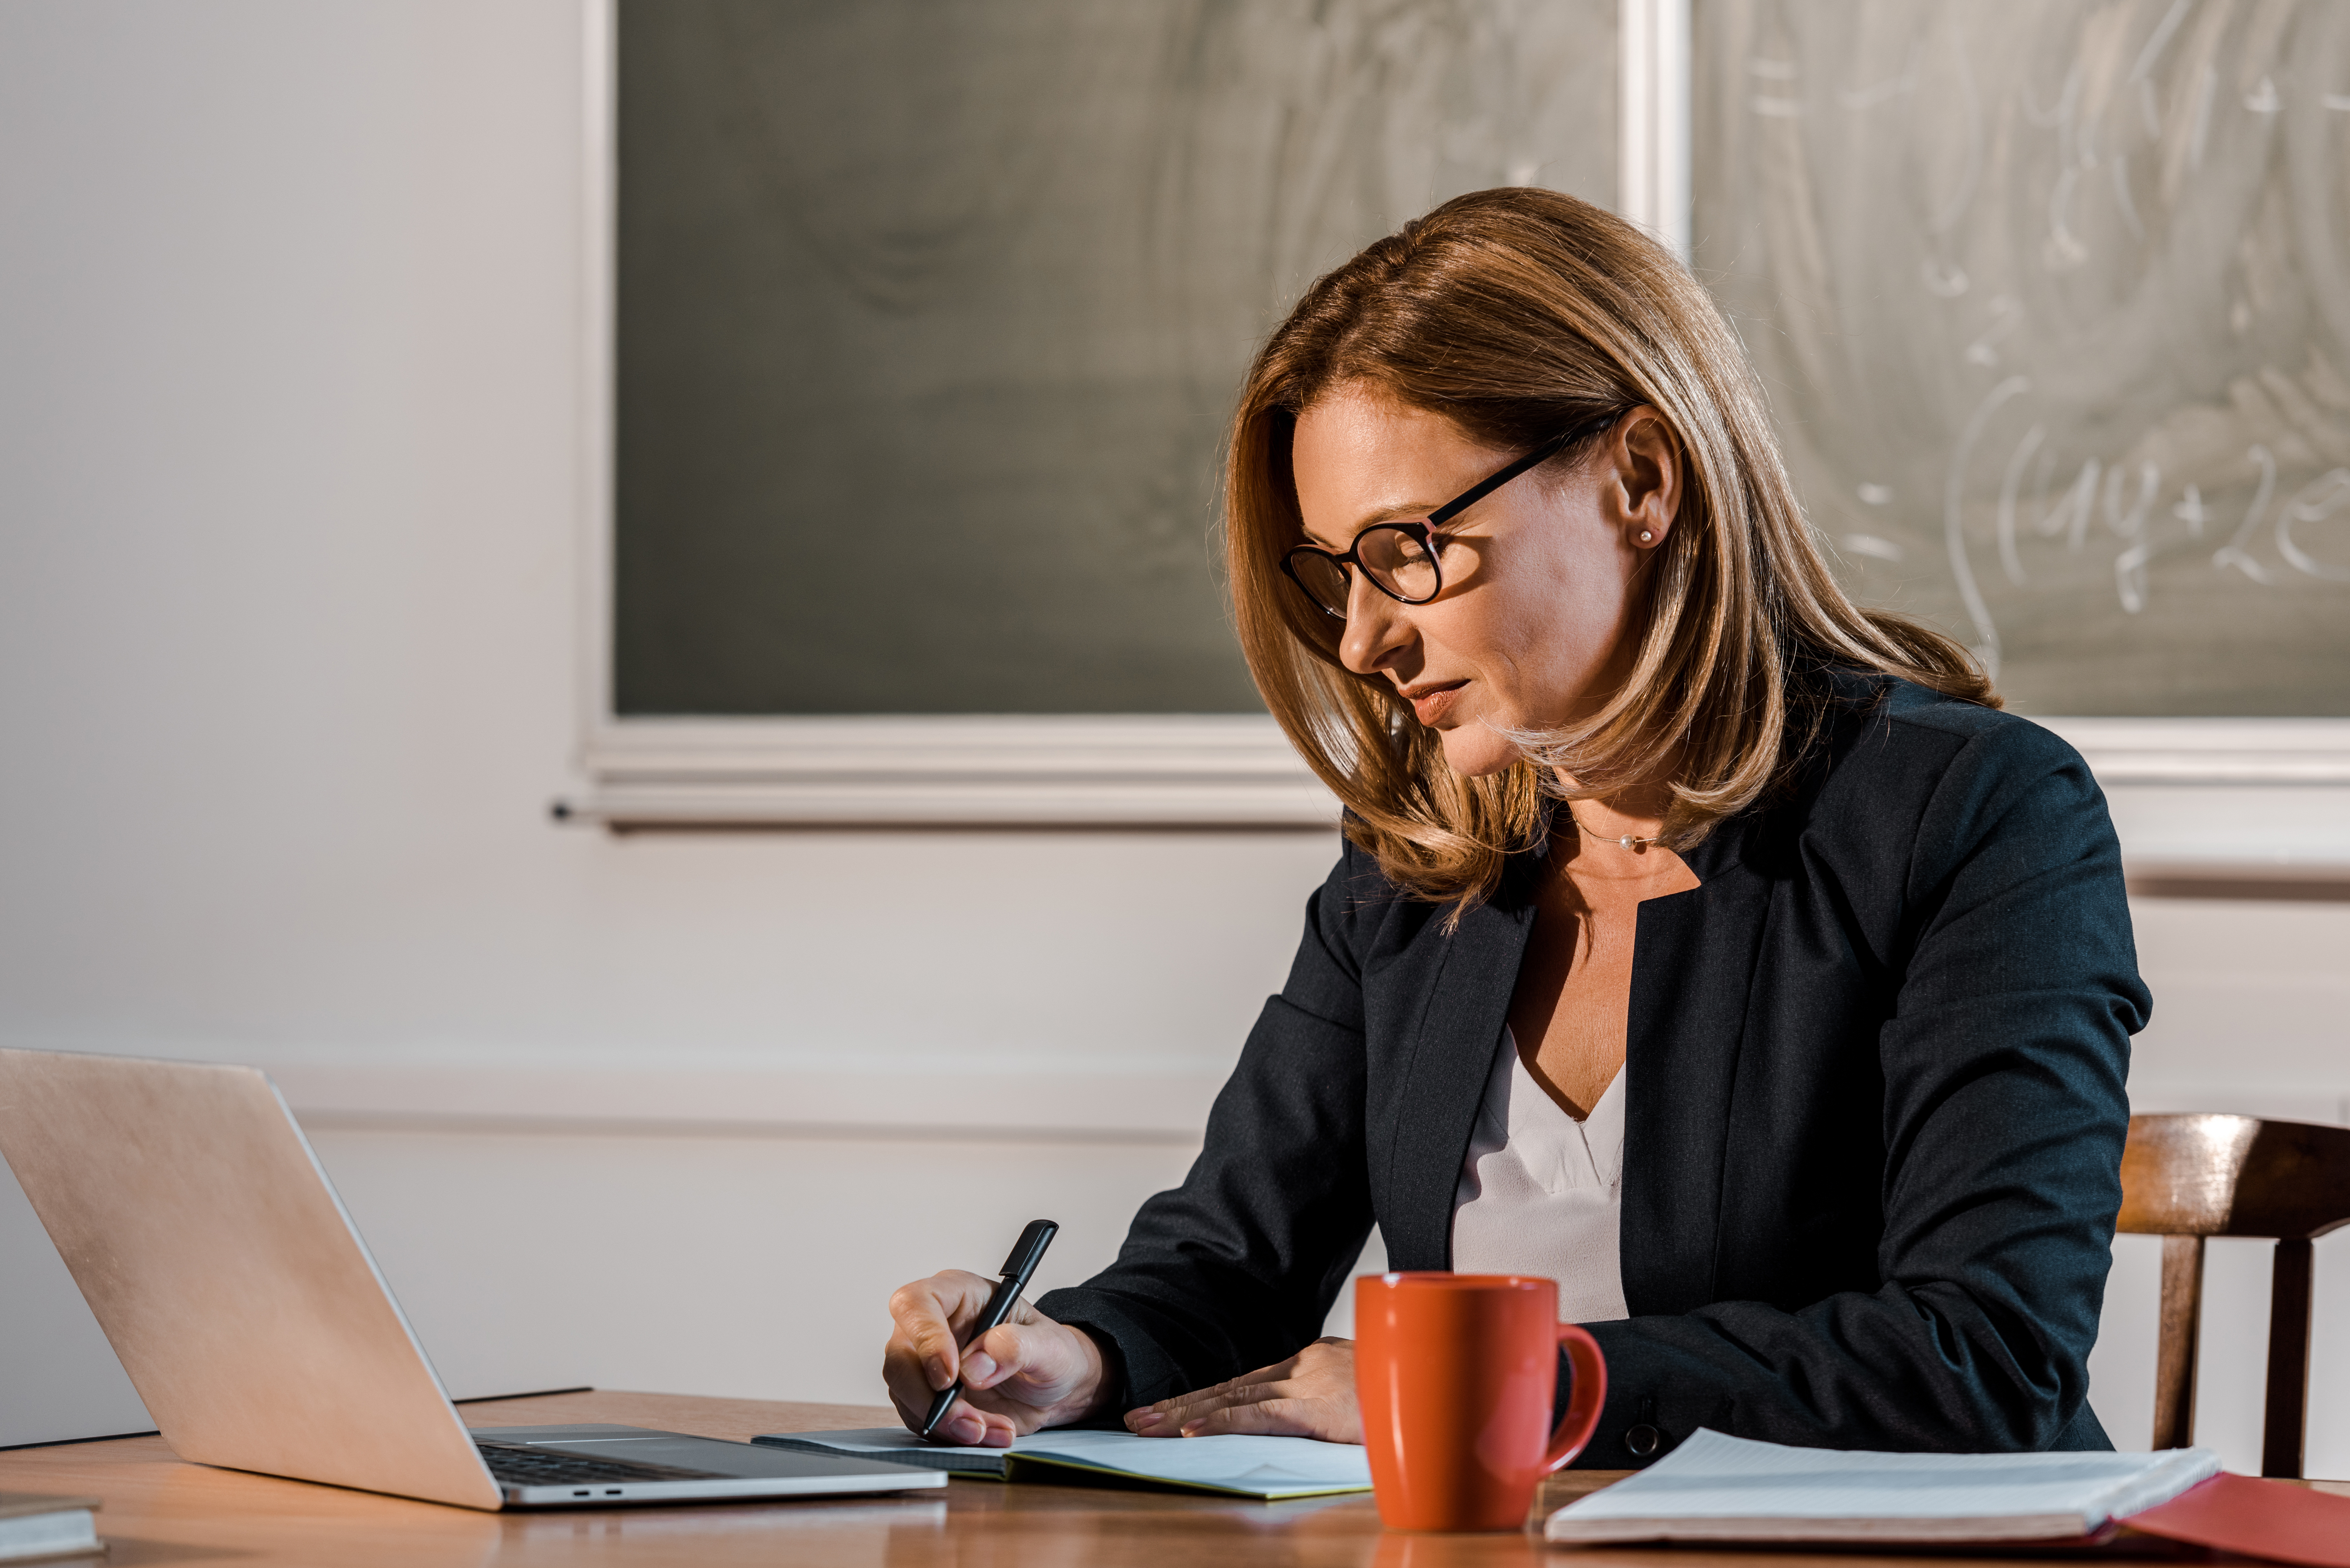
pixel 1646 536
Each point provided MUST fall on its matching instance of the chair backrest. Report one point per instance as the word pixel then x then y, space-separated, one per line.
pixel 2185 1177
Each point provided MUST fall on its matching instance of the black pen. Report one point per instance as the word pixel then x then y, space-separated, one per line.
pixel 1018 1268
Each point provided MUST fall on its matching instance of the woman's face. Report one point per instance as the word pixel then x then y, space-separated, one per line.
pixel 1533 627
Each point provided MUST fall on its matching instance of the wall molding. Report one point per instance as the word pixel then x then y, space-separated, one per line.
pixel 2245 801
pixel 2225 808
pixel 2273 752
pixel 1072 1105
pixel 1233 770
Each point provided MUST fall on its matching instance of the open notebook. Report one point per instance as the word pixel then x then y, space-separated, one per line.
pixel 1717 1488
pixel 1272 1468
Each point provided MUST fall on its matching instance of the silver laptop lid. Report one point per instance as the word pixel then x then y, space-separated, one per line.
pixel 227 1276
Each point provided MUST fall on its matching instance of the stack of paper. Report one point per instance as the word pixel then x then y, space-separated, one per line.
pixel 1717 1488
pixel 1272 1468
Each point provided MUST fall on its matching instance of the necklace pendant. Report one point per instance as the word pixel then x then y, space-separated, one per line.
pixel 1628 842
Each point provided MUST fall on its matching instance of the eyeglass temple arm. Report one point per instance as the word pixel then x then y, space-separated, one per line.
pixel 1541 454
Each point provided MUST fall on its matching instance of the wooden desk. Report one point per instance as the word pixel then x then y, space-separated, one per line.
pixel 159 1510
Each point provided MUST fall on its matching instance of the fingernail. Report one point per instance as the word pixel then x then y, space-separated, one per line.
pixel 1193 1430
pixel 939 1376
pixel 978 1369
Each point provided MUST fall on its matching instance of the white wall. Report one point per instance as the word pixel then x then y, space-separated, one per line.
pixel 288 535
pixel 289 460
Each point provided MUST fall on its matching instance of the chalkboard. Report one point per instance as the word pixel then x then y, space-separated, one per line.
pixel 930 314
pixel 2052 297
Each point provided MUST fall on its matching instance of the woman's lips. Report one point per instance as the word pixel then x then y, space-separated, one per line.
pixel 1432 703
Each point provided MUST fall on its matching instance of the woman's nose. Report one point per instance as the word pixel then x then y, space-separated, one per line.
pixel 1376 628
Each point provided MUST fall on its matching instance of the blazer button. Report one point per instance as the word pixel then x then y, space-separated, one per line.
pixel 1643 1440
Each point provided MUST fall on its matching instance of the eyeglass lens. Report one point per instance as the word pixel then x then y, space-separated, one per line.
pixel 1397 560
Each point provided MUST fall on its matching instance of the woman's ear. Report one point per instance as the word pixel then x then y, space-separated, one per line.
pixel 1646 492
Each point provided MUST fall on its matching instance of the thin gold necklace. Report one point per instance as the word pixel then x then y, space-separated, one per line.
pixel 1628 841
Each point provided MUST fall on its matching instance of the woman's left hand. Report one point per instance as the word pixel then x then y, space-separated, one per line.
pixel 1311 1395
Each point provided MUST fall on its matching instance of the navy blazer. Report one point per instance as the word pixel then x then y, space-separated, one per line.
pixel 1874 1115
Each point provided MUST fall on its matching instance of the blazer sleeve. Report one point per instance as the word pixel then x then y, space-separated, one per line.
pixel 1238 1267
pixel 2004 1111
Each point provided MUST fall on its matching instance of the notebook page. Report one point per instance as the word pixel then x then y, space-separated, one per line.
pixel 1727 1480
pixel 1261 1467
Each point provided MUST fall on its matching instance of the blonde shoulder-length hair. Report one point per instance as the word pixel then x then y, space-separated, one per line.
pixel 1519 314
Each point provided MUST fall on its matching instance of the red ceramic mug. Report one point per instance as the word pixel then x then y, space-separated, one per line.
pixel 1455 1374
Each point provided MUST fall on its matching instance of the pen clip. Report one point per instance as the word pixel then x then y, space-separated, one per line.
pixel 1030 1249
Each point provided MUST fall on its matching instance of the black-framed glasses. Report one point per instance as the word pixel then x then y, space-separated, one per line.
pixel 1400 558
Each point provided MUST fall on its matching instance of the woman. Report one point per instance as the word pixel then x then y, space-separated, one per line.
pixel 1662 857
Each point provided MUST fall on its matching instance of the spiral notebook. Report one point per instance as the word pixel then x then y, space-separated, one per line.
pixel 1270 1469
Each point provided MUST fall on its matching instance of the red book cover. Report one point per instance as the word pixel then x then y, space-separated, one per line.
pixel 2275 1520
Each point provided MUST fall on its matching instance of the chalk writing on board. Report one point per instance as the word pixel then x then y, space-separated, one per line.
pixel 2052 300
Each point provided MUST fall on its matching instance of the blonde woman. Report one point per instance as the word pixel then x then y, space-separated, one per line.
pixel 1701 941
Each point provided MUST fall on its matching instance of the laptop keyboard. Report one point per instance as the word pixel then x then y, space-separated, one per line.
pixel 518 1466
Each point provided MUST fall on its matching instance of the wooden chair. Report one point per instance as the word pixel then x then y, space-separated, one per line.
pixel 2185 1177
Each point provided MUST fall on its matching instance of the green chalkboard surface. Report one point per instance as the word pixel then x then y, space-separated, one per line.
pixel 929 316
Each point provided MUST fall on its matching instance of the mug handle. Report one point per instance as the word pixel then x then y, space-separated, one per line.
pixel 1582 1418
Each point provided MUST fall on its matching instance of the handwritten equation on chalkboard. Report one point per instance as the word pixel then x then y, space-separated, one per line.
pixel 2053 301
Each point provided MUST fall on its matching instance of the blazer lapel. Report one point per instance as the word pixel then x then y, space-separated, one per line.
pixel 1444 1081
pixel 1692 968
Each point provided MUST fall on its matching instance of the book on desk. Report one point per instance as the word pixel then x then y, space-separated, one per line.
pixel 1721 1489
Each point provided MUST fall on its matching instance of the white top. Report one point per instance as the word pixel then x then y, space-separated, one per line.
pixel 1542 1193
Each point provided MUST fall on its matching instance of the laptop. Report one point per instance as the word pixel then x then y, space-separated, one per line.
pixel 233 1286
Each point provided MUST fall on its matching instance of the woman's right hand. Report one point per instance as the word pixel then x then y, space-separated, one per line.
pixel 1026 1372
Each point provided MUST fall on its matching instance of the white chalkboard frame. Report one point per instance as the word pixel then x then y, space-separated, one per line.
pixel 2225 801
